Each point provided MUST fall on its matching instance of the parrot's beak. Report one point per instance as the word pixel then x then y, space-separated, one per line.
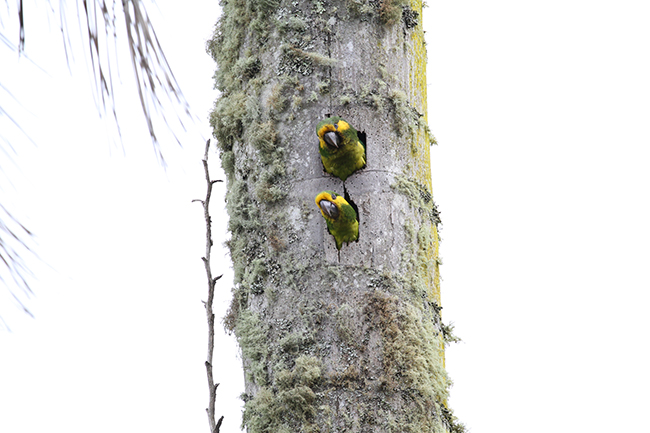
pixel 332 139
pixel 329 209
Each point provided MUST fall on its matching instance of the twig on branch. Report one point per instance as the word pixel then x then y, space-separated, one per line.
pixel 212 387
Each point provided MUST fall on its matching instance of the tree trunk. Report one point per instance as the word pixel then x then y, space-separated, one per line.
pixel 331 341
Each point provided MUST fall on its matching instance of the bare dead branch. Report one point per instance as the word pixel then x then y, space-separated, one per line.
pixel 212 386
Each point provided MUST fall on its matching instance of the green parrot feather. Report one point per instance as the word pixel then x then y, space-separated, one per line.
pixel 340 216
pixel 340 149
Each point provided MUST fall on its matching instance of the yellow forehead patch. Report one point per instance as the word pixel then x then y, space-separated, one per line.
pixel 340 126
pixel 339 200
pixel 343 125
pixel 326 128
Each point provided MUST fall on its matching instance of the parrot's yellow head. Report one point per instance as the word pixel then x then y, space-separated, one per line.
pixel 330 204
pixel 331 132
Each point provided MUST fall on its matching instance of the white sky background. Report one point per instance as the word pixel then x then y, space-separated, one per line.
pixel 541 112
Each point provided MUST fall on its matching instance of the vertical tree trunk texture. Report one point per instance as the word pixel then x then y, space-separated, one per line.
pixel 331 341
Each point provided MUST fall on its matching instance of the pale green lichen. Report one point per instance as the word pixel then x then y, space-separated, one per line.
pixel 277 101
pixel 319 58
pixel 296 102
pixel 291 406
pixel 265 5
pixel 247 67
pixel 344 323
pixel 226 119
pixel 361 10
pixel 377 101
pixel 410 18
pixel 451 422
pixel 448 334
pixel 252 335
pixel 263 136
pixel 318 7
pixel 295 59
pixel 293 23
pixel 390 11
pixel 406 117
pixel 419 197
pixel 294 342
pixel 411 354
pixel 429 134
pixel 323 87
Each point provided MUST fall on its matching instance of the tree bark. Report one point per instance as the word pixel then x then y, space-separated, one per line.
pixel 347 340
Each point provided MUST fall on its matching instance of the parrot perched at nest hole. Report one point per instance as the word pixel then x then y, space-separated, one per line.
pixel 340 216
pixel 341 150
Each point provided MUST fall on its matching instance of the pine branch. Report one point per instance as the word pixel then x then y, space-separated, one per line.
pixel 15 274
pixel 158 91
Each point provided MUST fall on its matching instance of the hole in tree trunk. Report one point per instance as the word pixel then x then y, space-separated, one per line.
pixel 347 198
pixel 362 138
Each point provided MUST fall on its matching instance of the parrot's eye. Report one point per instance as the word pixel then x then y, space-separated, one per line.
pixel 336 126
pixel 334 196
pixel 329 209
